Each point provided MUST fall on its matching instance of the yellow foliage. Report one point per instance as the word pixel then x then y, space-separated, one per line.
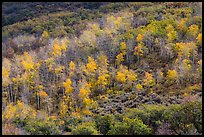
pixel 87 101
pixel 139 38
pixel 68 86
pixel 200 62
pixel 45 35
pixel 103 80
pixel 5 72
pixel 20 110
pixel 64 43
pixel 103 60
pixel 76 114
pixel 139 87
pixel 156 41
pixel 87 112
pixel 123 47
pixel 148 80
pixel 9 112
pixel 42 94
pixel 131 76
pixel 63 109
pixel 119 58
pixel 56 48
pixel 139 50
pixel 120 77
pixel 186 64
pixel 182 25
pixel 59 69
pixel 83 93
pixel 27 63
pixel 193 30
pixel 199 39
pixel 91 66
pixel 72 66
pixel 171 74
pixel 184 49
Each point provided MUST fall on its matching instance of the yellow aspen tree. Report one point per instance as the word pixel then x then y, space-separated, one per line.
pixel 120 77
pixel 182 25
pixel 50 63
pixel 186 65
pixel 103 80
pixel 131 78
pixel 138 51
pixel 59 69
pixel 56 48
pixel 171 33
pixel 193 30
pixel 6 66
pixel 139 87
pixel 68 97
pixel 148 80
pixel 68 86
pixel 63 109
pixel 42 94
pixel 171 75
pixel 83 93
pixel 27 63
pixel 119 58
pixel 185 49
pixel 45 35
pixel 72 68
pixel 91 66
pixel 139 38
pixel 199 39
pixel 85 100
pixel 102 64
pixel 64 43
pixel 123 47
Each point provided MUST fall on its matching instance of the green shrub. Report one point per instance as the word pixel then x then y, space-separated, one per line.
pixel 72 122
pixel 129 127
pixel 39 127
pixel 85 128
pixel 185 116
pixel 149 114
pixel 104 122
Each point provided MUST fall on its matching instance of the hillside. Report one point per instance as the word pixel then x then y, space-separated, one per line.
pixel 132 68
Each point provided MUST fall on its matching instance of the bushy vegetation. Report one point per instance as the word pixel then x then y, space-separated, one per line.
pixel 132 68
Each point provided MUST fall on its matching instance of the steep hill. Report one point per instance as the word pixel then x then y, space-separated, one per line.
pixel 132 68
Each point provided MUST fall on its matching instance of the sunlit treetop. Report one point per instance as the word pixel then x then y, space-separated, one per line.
pixel 59 69
pixel 199 39
pixel 83 93
pixel 91 66
pixel 68 86
pixel 138 50
pixel 171 74
pixel 45 35
pixel 56 48
pixel 42 94
pixel 123 47
pixel 193 30
pixel 27 63
pixel 119 58
pixel 139 38
pixel 72 66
